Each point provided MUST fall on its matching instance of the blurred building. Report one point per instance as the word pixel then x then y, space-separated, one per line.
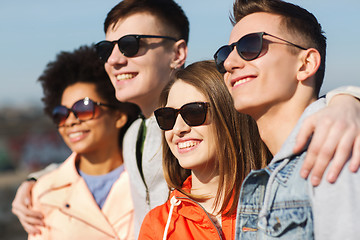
pixel 28 141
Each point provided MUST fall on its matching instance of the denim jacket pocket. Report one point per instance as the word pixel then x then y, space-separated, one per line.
pixel 289 223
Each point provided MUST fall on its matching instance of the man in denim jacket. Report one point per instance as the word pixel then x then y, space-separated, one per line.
pixel 274 71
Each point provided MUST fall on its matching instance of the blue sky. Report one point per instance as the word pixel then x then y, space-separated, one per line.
pixel 33 32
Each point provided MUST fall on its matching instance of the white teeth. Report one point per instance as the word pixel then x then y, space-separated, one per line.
pixel 187 144
pixel 76 134
pixel 241 81
pixel 124 76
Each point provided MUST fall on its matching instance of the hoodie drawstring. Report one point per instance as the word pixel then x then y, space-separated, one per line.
pixel 174 202
pixel 265 208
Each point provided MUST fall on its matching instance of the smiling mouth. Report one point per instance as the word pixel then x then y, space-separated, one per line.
pixel 187 144
pixel 241 81
pixel 75 134
pixel 125 76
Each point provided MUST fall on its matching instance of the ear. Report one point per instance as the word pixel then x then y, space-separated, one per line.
pixel 121 121
pixel 180 48
pixel 310 63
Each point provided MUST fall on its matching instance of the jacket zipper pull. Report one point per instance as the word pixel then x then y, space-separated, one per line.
pixel 147 197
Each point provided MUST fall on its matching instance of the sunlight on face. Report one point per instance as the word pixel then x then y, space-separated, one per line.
pixel 90 135
pixel 194 147
pixel 139 79
pixel 252 83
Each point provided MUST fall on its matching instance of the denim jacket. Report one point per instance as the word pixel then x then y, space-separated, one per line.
pixel 282 212
pixel 274 202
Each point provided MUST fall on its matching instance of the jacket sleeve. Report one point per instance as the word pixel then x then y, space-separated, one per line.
pixel 336 207
pixel 348 90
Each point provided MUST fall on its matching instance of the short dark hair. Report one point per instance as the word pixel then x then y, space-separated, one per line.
pixel 295 19
pixel 81 65
pixel 169 13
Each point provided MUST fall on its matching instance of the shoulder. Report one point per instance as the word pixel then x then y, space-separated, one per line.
pixel 59 176
pixel 154 222
pixel 133 129
pixel 158 215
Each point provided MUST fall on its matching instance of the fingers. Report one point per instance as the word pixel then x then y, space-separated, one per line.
pixel 355 158
pixel 30 229
pixel 342 154
pixel 316 152
pixel 304 134
pixel 26 213
pixel 29 219
pixel 22 200
pixel 336 137
pixel 336 147
pixel 21 204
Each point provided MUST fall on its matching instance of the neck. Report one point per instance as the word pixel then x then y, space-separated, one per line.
pixel 100 163
pixel 146 105
pixel 279 120
pixel 148 109
pixel 149 102
pixel 207 187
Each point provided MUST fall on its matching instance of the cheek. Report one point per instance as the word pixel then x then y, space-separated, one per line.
pixel 168 137
pixel 158 64
pixel 108 69
pixel 62 132
pixel 227 79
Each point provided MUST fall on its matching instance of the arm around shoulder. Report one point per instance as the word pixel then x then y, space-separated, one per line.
pixel 335 134
pixel 346 90
pixel 40 173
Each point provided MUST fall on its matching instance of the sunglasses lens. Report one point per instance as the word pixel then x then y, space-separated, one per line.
pixel 129 45
pixel 165 118
pixel 220 56
pixel 194 114
pixel 104 49
pixel 59 115
pixel 249 46
pixel 84 109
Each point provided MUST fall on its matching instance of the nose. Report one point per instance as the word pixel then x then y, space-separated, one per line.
pixel 233 61
pixel 116 57
pixel 180 127
pixel 71 120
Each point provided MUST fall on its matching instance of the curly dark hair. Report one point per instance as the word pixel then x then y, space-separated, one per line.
pixel 81 65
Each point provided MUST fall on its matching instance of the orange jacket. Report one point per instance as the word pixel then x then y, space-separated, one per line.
pixel 187 220
pixel 70 211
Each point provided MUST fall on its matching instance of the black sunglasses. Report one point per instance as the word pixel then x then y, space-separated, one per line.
pixel 194 114
pixel 248 47
pixel 128 45
pixel 84 109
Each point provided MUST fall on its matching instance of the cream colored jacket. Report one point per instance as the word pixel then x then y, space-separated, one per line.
pixel 70 211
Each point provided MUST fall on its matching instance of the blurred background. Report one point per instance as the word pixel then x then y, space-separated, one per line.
pixel 33 32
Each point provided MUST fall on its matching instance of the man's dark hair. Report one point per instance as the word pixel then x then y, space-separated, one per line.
pixel 168 12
